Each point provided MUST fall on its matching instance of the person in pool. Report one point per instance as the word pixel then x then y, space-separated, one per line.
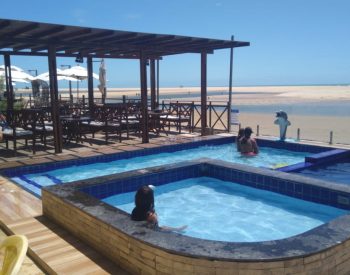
pixel 248 145
pixel 238 139
pixel 144 210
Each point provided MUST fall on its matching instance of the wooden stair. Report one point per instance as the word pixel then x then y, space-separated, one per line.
pixel 56 251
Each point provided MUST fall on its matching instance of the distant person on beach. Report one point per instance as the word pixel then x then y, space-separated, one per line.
pixel 238 139
pixel 144 210
pixel 248 145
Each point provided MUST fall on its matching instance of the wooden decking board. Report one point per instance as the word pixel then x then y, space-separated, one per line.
pixel 59 252
pixel 16 203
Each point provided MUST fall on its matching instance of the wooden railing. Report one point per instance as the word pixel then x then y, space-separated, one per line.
pixel 217 114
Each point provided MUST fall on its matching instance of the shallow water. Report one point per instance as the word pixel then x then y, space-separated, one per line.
pixel 268 157
pixel 339 173
pixel 226 211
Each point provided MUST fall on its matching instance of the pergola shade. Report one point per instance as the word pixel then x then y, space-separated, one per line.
pixel 52 40
pixel 33 38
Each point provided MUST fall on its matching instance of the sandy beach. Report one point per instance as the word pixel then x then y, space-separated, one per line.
pixel 310 98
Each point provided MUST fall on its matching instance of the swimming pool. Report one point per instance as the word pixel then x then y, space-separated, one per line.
pixel 225 211
pixel 268 157
pixel 79 208
pixel 337 173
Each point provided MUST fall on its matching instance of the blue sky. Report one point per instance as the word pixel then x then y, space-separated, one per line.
pixel 293 42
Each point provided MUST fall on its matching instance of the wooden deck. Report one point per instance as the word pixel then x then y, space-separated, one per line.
pixel 15 203
pixel 58 252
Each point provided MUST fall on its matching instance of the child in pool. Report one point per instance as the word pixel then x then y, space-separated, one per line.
pixel 248 145
pixel 144 210
pixel 238 139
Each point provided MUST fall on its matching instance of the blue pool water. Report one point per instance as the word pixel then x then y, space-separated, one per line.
pixel 268 157
pixel 339 173
pixel 226 211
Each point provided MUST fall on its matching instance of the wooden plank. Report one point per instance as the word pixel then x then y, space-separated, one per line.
pixel 56 251
pixel 16 203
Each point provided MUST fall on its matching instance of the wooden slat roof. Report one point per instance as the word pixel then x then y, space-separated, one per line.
pixel 33 38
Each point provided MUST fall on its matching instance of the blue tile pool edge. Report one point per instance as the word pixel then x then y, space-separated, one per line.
pixel 327 235
pixel 318 160
pixel 37 168
pixel 215 140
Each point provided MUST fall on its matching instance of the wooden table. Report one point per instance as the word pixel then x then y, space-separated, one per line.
pixel 72 127
pixel 155 122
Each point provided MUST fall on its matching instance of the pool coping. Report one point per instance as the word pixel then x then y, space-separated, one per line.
pixel 308 243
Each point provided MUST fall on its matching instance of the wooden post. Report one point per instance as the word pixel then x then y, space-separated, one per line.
pixel 203 93
pixel 153 83
pixel 144 103
pixel 90 85
pixel 9 87
pixel 210 114
pixel 57 129
pixel 230 88
pixel 157 82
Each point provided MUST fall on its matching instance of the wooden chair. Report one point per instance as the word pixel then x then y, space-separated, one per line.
pixel 178 114
pixel 131 118
pixel 19 123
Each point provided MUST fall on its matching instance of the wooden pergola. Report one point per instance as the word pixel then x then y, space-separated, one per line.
pixel 53 40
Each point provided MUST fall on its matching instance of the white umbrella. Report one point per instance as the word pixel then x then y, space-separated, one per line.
pixel 13 68
pixel 103 80
pixel 18 76
pixel 46 76
pixel 77 72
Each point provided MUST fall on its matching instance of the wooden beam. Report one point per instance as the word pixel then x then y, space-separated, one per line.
pixel 230 88
pixel 153 83
pixel 203 93
pixel 9 87
pixel 157 82
pixel 90 84
pixel 74 34
pixel 144 101
pixel 68 55
pixel 4 23
pixel 49 31
pixel 118 37
pixel 94 36
pixel 57 129
pixel 24 29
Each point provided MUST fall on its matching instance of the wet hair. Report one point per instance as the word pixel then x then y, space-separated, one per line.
pixel 144 198
pixel 247 133
pixel 144 203
pixel 240 133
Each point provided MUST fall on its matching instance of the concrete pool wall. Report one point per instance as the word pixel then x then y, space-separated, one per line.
pixel 140 250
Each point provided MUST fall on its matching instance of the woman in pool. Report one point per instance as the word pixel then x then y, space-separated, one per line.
pixel 248 145
pixel 144 209
pixel 238 139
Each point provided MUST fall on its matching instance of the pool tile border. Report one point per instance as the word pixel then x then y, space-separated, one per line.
pixel 160 148
pixel 78 195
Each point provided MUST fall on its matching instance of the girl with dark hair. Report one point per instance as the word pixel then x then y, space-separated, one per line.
pixel 238 139
pixel 144 209
pixel 248 145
